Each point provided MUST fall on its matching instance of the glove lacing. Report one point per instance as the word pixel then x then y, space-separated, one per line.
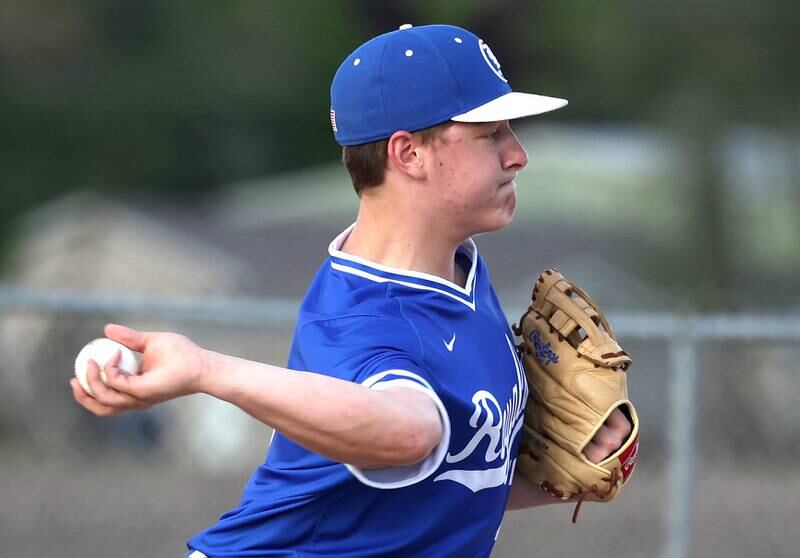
pixel 612 481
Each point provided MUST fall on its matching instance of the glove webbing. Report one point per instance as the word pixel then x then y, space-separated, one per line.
pixel 569 315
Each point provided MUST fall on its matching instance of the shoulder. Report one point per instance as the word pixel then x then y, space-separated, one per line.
pixel 358 344
pixel 365 322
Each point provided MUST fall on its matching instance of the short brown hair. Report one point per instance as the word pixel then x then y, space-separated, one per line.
pixel 366 163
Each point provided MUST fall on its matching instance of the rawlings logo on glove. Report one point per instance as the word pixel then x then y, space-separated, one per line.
pixel 544 353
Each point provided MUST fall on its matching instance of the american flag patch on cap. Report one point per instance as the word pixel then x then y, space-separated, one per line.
pixel 333 120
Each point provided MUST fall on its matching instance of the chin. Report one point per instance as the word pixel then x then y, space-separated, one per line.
pixel 498 219
pixel 512 205
pixel 508 210
pixel 496 224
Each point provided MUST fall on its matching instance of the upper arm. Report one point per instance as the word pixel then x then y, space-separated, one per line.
pixel 382 352
pixel 429 422
pixel 429 433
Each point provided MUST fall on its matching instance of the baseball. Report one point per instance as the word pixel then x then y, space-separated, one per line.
pixel 101 350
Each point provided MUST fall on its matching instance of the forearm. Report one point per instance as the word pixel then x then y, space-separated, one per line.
pixel 524 494
pixel 341 420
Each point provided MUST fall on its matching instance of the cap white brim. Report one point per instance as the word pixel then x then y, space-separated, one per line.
pixel 509 106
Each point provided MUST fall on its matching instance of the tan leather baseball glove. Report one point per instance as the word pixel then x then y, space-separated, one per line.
pixel 577 376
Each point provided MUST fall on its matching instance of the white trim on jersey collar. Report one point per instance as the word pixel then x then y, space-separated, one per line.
pixel 334 249
pixel 469 301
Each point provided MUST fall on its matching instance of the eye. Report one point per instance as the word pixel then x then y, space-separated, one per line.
pixel 493 132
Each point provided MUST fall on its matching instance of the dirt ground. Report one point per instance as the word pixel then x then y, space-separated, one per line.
pixel 134 507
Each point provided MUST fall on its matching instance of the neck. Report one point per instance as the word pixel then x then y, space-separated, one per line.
pixel 403 239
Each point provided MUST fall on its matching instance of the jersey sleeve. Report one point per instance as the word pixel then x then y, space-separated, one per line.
pixel 378 353
pixel 406 475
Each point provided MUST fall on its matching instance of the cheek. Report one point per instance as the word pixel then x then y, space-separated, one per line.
pixel 447 173
pixel 466 184
pixel 454 201
pixel 450 182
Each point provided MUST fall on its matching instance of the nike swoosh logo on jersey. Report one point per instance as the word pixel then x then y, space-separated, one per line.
pixel 449 346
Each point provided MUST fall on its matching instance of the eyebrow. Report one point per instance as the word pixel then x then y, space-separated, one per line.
pixel 483 126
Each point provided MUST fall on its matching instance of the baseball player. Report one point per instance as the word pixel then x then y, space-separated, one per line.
pixel 397 419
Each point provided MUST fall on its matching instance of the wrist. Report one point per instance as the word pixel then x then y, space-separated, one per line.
pixel 209 363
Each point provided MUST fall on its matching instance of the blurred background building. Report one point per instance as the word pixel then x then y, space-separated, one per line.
pixel 170 165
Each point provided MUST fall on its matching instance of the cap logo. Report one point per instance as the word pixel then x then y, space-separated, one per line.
pixel 491 59
pixel 333 121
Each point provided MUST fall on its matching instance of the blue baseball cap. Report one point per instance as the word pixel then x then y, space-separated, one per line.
pixel 417 77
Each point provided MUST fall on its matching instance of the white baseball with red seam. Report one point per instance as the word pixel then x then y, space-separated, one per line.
pixel 101 350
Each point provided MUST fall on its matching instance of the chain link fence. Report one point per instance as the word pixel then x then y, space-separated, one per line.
pixel 717 396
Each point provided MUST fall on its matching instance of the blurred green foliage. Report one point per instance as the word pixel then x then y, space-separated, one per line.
pixel 180 97
pixel 165 95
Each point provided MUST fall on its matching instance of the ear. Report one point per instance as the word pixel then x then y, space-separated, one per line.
pixel 405 155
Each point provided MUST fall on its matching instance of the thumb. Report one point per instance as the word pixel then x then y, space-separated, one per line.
pixel 131 338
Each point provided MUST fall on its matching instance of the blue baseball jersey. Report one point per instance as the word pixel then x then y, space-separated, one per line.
pixel 379 326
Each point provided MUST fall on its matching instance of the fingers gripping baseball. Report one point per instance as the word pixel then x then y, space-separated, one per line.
pixel 135 340
pixel 171 366
pixel 105 400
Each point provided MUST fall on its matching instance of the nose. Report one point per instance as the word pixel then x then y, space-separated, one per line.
pixel 515 157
